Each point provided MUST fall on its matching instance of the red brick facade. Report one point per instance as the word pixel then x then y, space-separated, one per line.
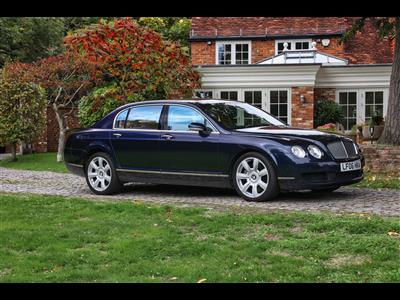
pixel 324 94
pixel 366 47
pixel 302 113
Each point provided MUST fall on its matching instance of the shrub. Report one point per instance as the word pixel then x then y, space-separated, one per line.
pixel 326 111
pixel 22 107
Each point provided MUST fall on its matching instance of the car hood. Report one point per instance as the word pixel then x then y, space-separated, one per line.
pixel 289 133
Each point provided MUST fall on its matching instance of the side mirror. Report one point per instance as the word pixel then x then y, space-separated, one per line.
pixel 198 127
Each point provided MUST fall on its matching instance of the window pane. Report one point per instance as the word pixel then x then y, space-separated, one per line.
pixel 239 47
pixel 225 95
pixel 342 98
pixel 283 96
pixel 274 96
pixel 306 45
pixel 257 96
pixel 248 97
pixel 352 98
pixel 228 47
pixel 299 45
pixel 120 121
pixel 233 96
pixel 378 97
pixel 144 117
pixel 282 110
pixel 274 110
pixel 369 97
pixel 180 117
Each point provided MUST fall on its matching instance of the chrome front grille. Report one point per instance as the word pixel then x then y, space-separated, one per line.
pixel 342 149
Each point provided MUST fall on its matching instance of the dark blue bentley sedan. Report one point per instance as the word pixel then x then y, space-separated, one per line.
pixel 212 143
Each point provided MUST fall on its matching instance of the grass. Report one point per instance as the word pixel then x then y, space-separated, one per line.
pixel 47 162
pixel 36 162
pixel 56 239
pixel 378 181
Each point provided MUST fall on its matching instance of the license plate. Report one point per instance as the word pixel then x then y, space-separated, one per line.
pixel 350 166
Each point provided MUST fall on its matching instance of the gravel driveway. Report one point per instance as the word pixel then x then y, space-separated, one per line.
pixel 346 199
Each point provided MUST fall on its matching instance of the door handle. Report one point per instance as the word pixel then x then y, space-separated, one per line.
pixel 167 137
pixel 117 135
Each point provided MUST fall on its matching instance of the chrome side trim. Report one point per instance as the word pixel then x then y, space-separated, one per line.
pixel 286 178
pixel 172 173
pixel 75 165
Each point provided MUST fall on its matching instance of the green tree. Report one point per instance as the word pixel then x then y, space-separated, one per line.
pixel 22 116
pixel 171 28
pixel 388 27
pixel 27 39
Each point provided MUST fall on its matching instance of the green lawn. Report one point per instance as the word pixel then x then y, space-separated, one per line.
pixel 378 181
pixel 55 239
pixel 36 162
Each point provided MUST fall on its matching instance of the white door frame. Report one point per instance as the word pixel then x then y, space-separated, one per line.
pixel 360 96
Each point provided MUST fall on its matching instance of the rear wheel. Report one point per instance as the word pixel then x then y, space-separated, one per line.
pixel 101 176
pixel 254 178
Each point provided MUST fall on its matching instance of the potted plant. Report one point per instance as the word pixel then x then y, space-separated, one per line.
pixel 374 128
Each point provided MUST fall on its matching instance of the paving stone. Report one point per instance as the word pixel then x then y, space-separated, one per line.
pixel 345 199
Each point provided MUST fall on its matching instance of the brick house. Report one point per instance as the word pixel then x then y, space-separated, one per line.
pixel 283 65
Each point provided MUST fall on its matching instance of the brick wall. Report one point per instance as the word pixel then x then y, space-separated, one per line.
pixel 303 114
pixel 382 159
pixel 366 47
pixel 202 53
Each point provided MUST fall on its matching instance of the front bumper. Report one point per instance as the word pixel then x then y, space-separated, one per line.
pixel 320 180
pixel 318 175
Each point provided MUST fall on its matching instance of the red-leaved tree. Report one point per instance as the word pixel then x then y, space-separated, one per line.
pixel 136 58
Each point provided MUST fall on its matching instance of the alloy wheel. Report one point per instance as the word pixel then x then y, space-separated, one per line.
pixel 252 177
pixel 99 173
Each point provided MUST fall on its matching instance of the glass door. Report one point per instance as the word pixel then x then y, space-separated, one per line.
pixel 348 102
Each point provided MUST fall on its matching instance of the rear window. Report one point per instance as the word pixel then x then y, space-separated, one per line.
pixel 144 117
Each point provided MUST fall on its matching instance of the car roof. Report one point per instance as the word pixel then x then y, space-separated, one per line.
pixel 175 101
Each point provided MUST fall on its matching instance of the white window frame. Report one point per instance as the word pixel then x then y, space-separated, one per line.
pixel 293 43
pixel 265 97
pixel 233 50
pixel 361 100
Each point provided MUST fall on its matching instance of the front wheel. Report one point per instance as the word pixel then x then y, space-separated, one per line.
pixel 101 176
pixel 254 178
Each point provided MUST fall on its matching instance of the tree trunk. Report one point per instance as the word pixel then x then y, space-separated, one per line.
pixel 391 133
pixel 62 132
pixel 13 151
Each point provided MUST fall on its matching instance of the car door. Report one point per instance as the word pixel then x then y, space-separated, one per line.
pixel 136 138
pixel 182 150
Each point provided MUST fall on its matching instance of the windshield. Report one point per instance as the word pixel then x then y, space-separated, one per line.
pixel 236 115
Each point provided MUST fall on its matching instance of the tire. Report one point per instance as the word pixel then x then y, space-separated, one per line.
pixel 326 190
pixel 108 179
pixel 241 177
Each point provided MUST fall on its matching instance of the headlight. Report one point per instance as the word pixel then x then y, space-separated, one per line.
pixel 315 151
pixel 298 151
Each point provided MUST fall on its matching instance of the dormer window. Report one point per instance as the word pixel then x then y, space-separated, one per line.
pixel 233 53
pixel 292 45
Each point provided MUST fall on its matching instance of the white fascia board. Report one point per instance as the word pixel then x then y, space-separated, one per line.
pixel 354 76
pixel 260 76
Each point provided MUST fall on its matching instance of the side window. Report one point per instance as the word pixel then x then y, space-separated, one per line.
pixel 144 117
pixel 120 121
pixel 179 118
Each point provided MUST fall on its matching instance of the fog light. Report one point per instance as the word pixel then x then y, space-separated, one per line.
pixel 298 151
pixel 314 151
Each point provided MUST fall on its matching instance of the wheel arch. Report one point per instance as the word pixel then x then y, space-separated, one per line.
pixel 267 154
pixel 96 148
